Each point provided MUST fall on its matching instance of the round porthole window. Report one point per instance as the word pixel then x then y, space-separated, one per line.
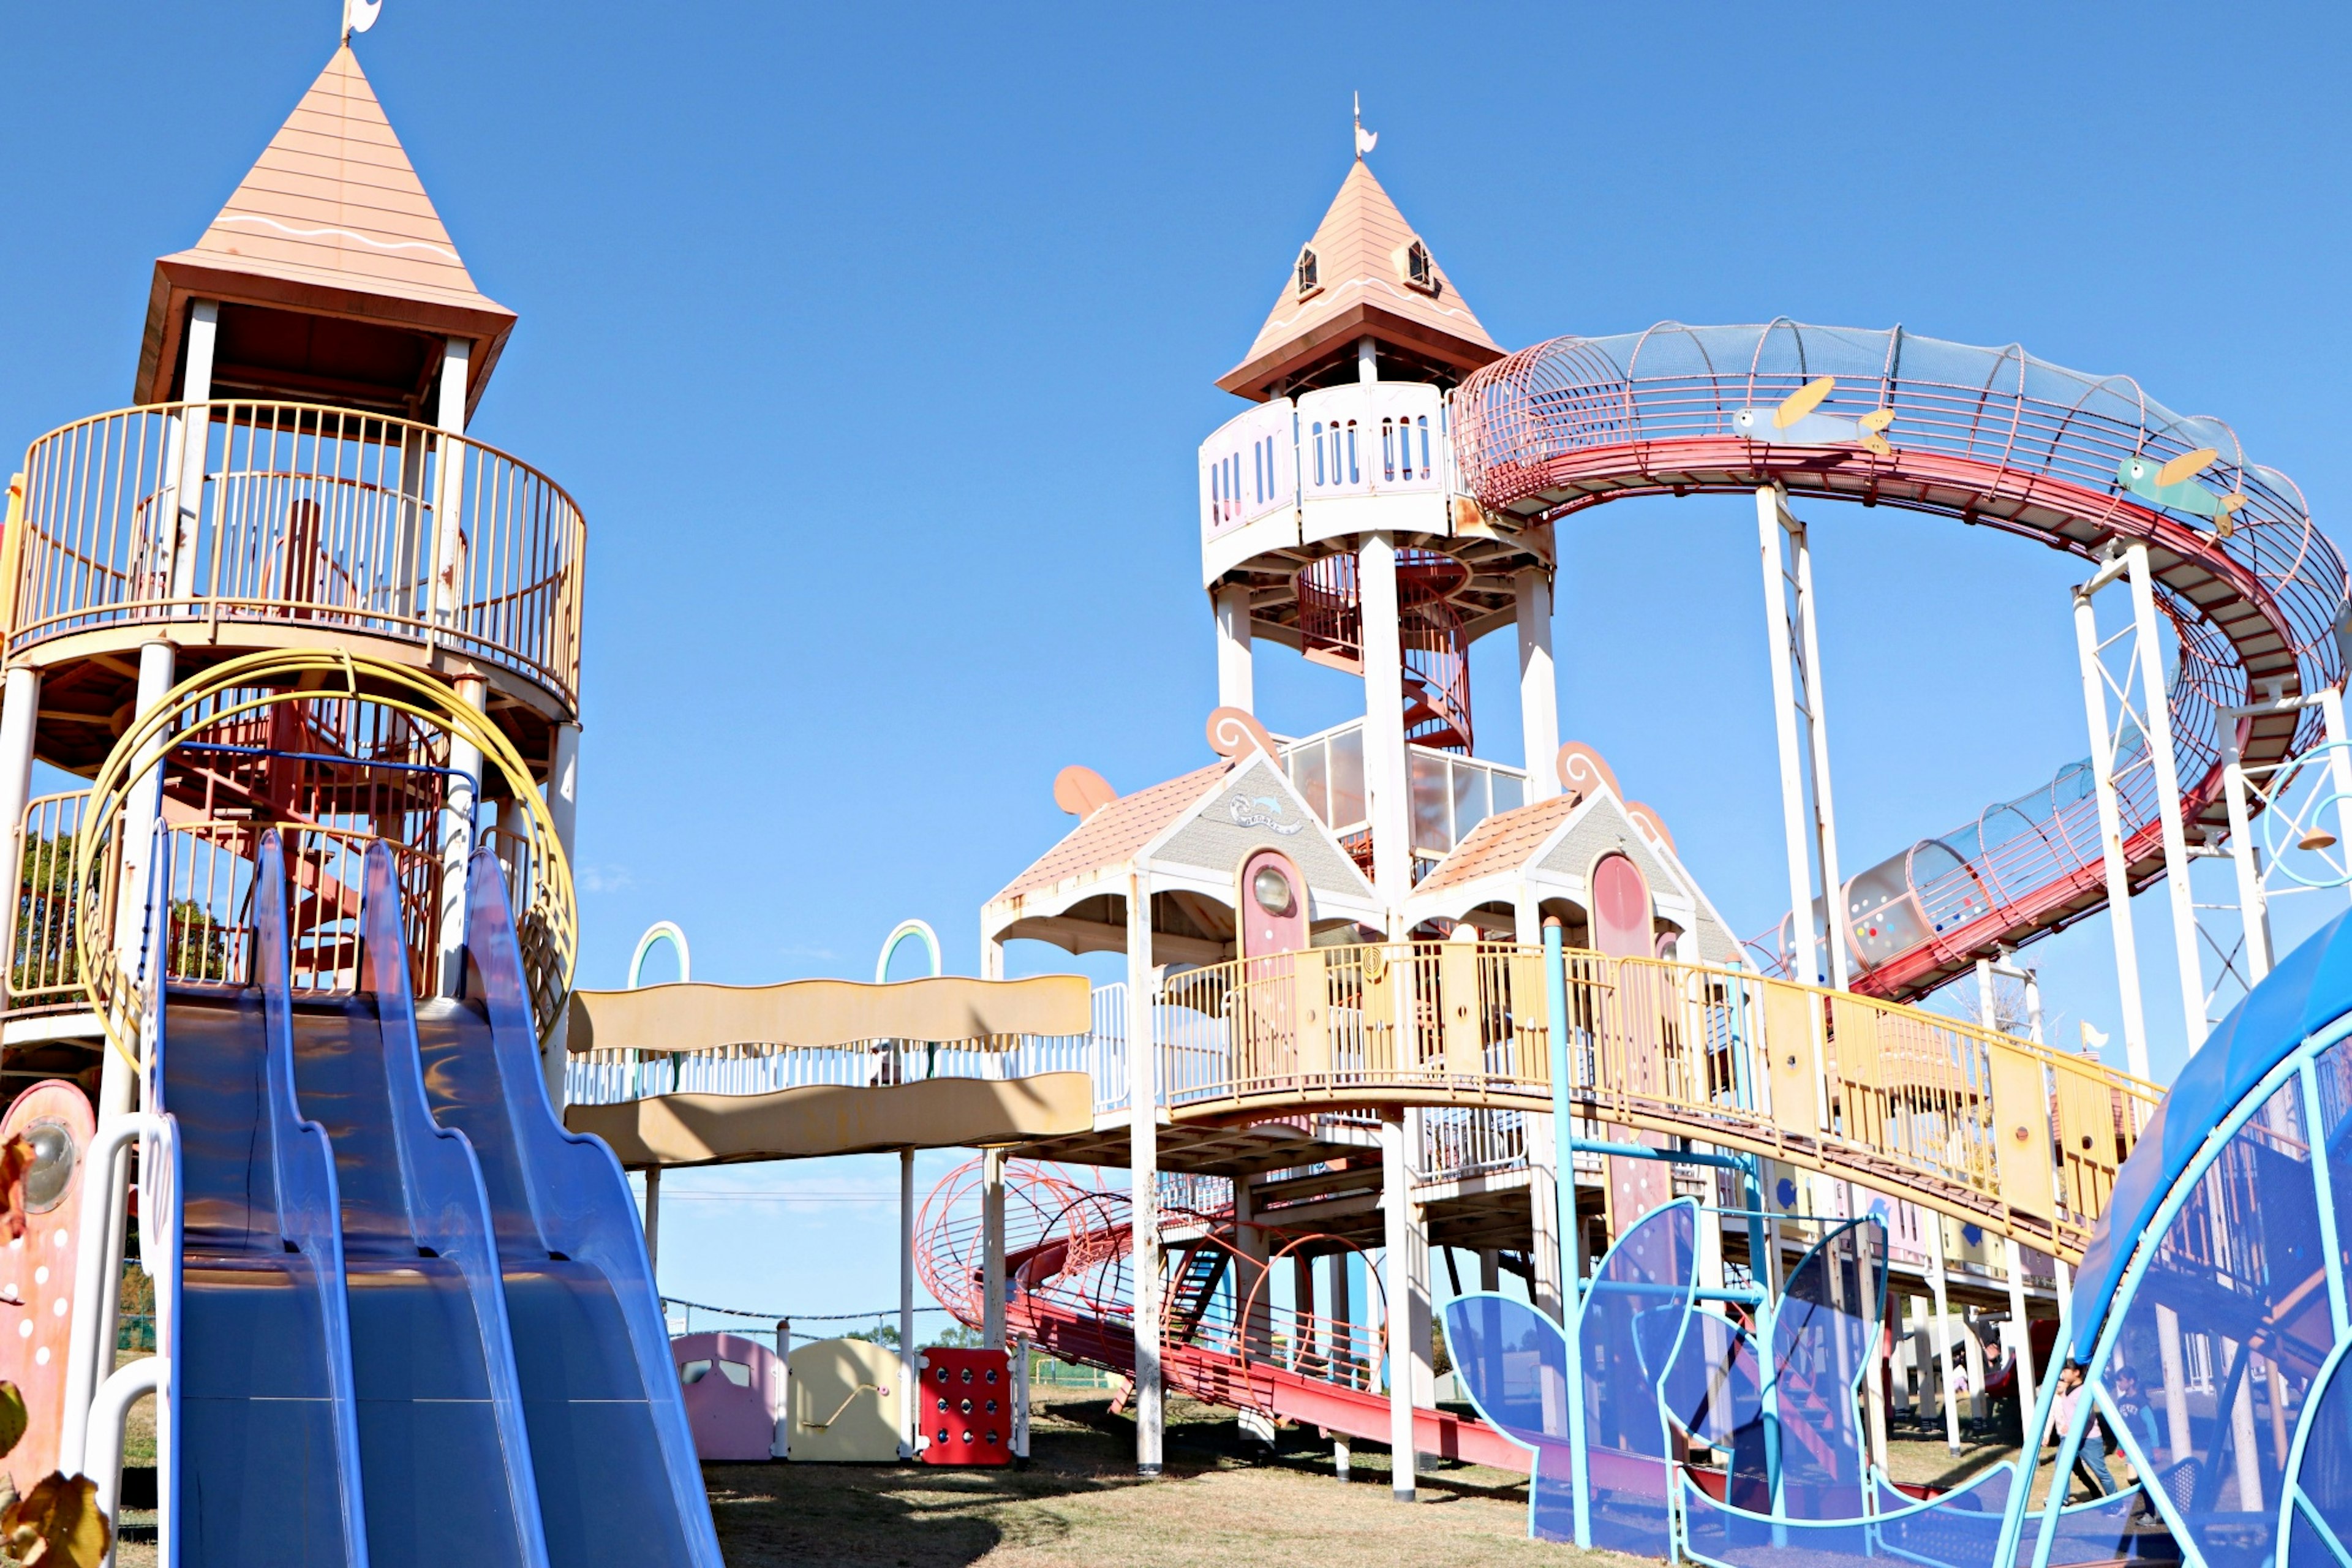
pixel 51 1172
pixel 1272 890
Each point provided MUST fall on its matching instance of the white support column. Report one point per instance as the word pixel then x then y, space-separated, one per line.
pixel 1542 1148
pixel 1236 678
pixel 909 1438
pixel 1396 1278
pixel 1386 776
pixel 193 433
pixel 992 958
pixel 2158 710
pixel 2253 904
pixel 991 1248
pixel 465 788
pixel 1490 1268
pixel 1939 1333
pixel 2021 1329
pixel 1419 1298
pixel 1249 1242
pixel 1816 724
pixel 2339 763
pixel 2111 833
pixel 449 492
pixel 1804 935
pixel 1143 1174
pixel 19 715
pixel 653 1219
pixel 1538 685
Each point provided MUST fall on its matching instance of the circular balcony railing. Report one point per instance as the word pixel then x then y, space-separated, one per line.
pixel 235 512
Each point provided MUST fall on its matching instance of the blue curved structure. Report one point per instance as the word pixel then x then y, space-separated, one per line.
pixel 2210 1320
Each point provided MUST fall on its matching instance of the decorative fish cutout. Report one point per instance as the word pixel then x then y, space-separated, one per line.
pixel 1795 424
pixel 2174 485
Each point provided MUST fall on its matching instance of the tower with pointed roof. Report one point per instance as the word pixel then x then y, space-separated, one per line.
pixel 1330 523
pixel 294 474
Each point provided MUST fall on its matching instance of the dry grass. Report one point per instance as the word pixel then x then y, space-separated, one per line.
pixel 1078 1502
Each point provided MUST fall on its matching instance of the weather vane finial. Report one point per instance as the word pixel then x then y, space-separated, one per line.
pixel 359 16
pixel 1365 140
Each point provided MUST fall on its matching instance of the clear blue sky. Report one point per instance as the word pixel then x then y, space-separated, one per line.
pixel 875 344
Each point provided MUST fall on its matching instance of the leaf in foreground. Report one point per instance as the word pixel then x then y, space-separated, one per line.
pixel 12 1416
pixel 58 1525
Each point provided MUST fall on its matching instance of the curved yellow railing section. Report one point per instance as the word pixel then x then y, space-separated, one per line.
pixel 1984 1126
pixel 546 917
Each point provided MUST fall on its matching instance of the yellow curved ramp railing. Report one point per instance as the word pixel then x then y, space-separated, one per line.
pixel 1984 1126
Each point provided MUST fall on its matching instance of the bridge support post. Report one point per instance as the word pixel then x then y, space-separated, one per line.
pixel 1143 1174
pixel 910 1436
pixel 1396 1270
pixel 18 710
pixel 1939 1332
pixel 1571 1270
pixel 992 1245
pixel 1809 819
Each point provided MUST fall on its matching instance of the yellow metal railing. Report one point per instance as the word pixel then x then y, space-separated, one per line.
pixel 1967 1119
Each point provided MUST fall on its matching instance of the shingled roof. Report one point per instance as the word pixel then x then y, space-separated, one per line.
pixel 1504 842
pixel 1363 289
pixel 330 220
pixel 1112 836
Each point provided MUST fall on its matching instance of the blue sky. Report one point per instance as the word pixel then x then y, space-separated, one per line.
pixel 875 344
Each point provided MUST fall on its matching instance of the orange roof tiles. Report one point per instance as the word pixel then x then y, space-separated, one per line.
pixel 1502 843
pixel 1112 836
pixel 1359 249
pixel 331 209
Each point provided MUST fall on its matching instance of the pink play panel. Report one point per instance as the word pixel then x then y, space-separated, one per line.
pixel 38 1268
pixel 734 1394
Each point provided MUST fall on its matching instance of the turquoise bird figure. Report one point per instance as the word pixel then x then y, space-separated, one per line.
pixel 2174 485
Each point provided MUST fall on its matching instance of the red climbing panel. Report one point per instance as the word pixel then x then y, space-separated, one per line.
pixel 967 1408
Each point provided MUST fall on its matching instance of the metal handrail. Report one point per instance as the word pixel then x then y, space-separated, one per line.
pixel 299 512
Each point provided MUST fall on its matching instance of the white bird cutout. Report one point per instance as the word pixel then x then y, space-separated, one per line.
pixel 359 16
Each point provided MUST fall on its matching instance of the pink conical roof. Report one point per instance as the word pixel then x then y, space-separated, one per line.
pixel 331 219
pixel 1360 250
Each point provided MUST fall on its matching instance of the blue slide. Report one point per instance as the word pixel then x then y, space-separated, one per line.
pixel 417 1323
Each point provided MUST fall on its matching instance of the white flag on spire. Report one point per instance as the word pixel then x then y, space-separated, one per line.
pixel 359 16
pixel 1365 140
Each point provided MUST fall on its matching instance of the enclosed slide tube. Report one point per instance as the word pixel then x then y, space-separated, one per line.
pixel 2253 591
pixel 415 1323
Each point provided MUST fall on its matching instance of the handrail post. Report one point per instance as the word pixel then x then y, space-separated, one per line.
pixel 1572 1293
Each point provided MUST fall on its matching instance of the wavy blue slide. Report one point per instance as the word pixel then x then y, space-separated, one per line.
pixel 417 1321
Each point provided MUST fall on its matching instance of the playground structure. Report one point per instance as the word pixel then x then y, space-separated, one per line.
pixel 1387 995
pixel 306 941
pixel 304 932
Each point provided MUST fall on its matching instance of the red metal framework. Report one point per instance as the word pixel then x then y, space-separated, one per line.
pixel 1224 1339
pixel 1430 635
pixel 1989 435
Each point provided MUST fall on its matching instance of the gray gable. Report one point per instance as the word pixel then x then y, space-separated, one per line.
pixel 1255 809
pixel 1604 827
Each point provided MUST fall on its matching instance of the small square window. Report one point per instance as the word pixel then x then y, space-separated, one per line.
pixel 1311 281
pixel 1420 272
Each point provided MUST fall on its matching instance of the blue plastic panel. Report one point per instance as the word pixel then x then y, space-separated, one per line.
pixel 1513 1363
pixel 2219 1343
pixel 618 1480
pixel 1960 1528
pixel 1714 1395
pixel 269 1447
pixel 1631 1326
pixel 1821 1333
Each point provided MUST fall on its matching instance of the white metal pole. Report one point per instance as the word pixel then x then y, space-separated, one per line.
pixel 1143 1174
pixel 563 806
pixel 992 1247
pixel 1939 1332
pixel 194 432
pixel 1539 684
pixel 2339 766
pixel 1817 725
pixel 2253 911
pixel 2155 699
pixel 653 1218
pixel 1396 1270
pixel 2111 831
pixel 1236 678
pixel 20 713
pixel 2021 1328
pixel 1387 777
pixel 465 792
pixel 1805 960
pixel 909 1438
